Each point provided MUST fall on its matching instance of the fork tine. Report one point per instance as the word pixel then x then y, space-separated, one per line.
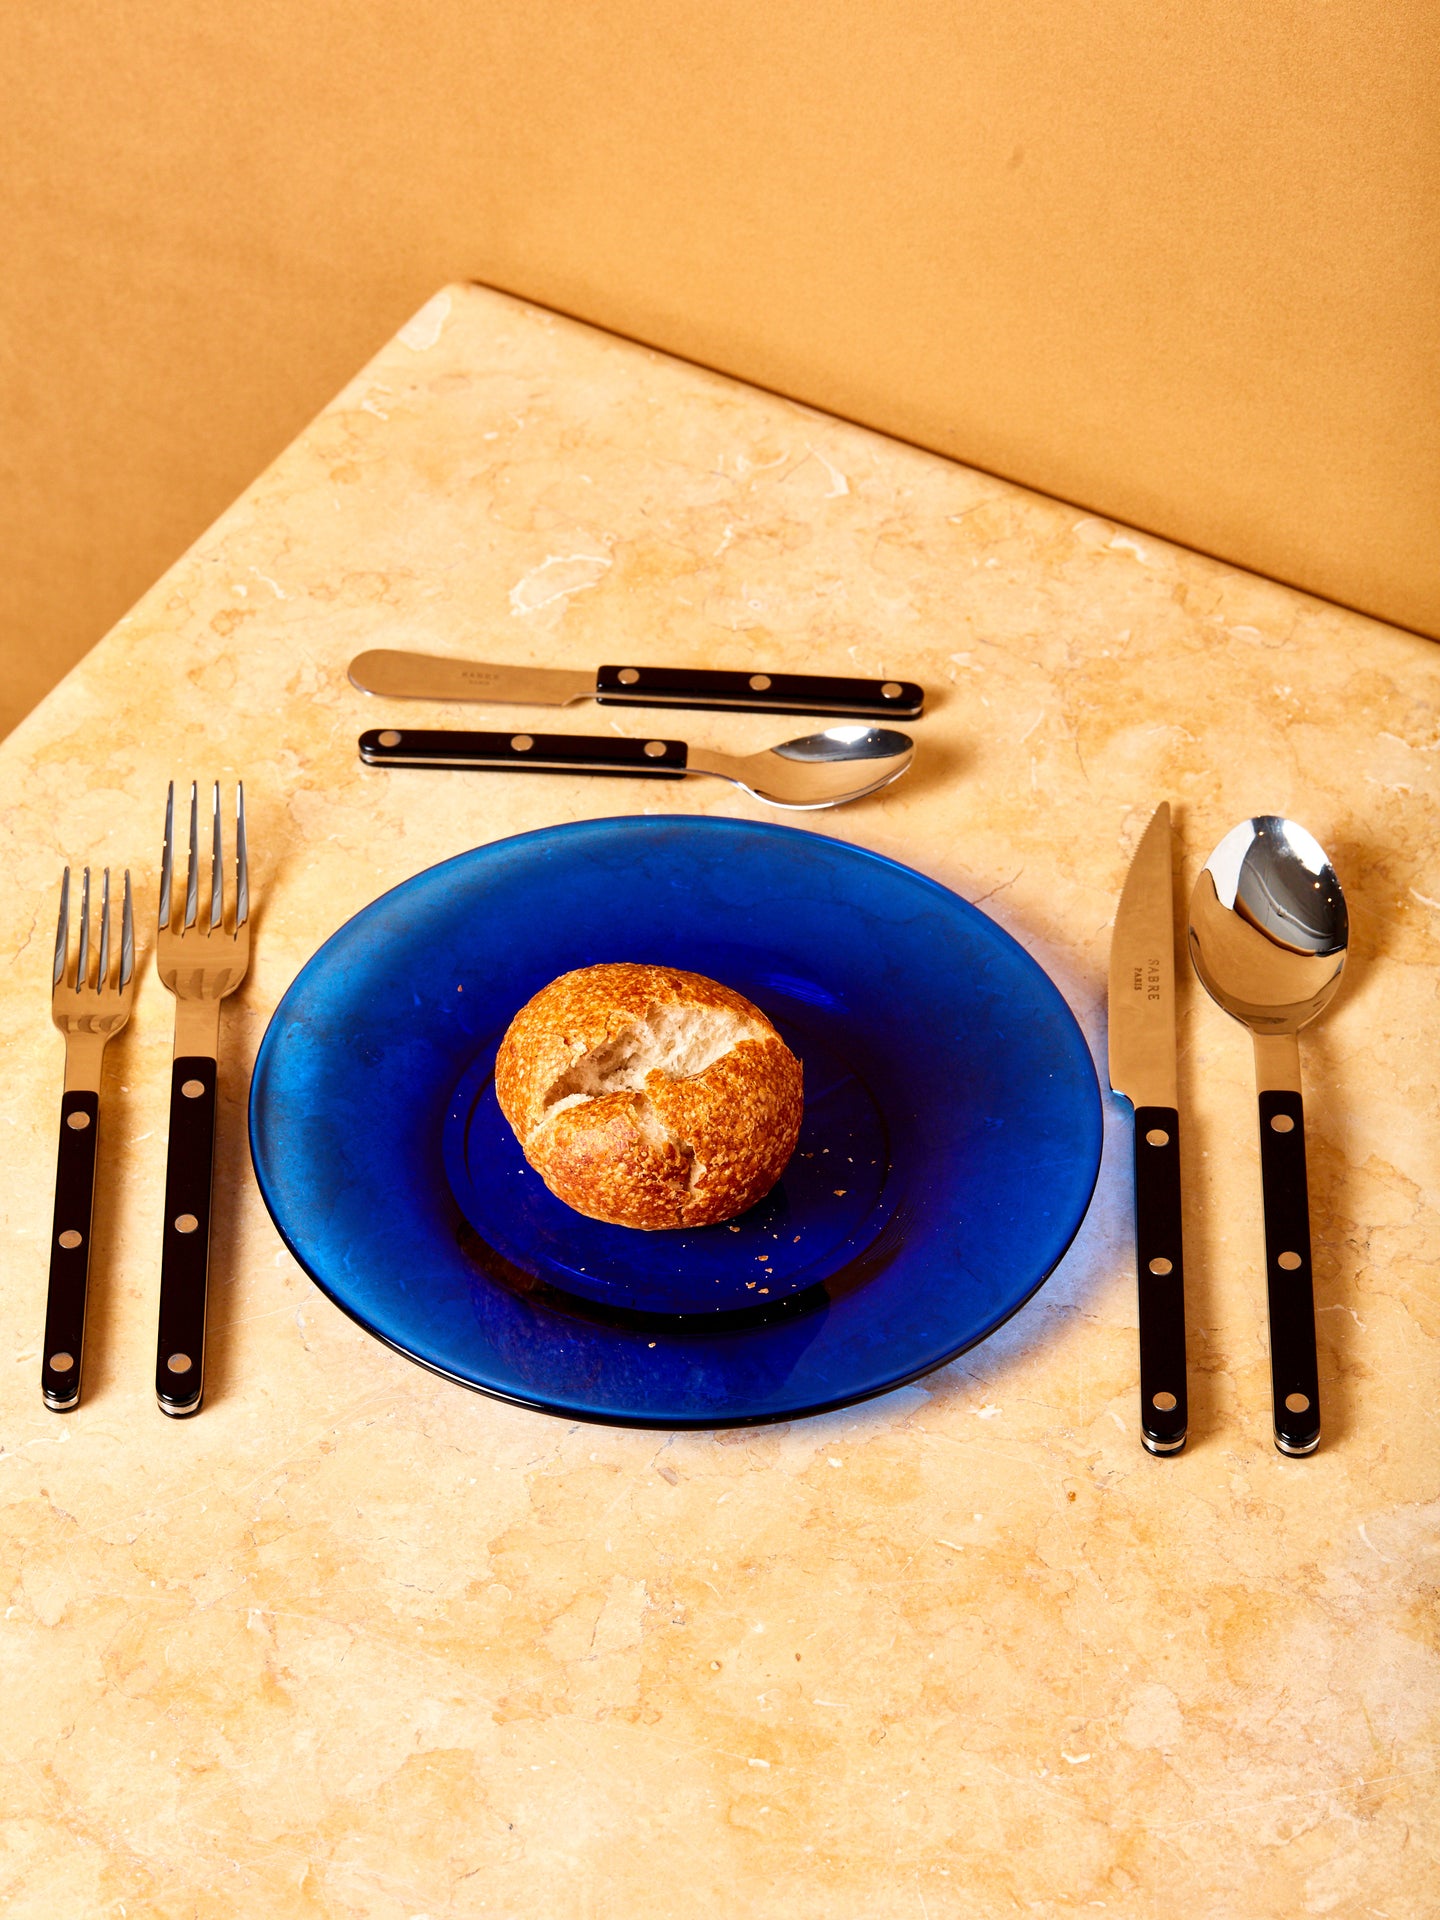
pixel 242 861
pixel 167 857
pixel 82 963
pixel 62 931
pixel 217 868
pixel 192 877
pixel 102 970
pixel 127 937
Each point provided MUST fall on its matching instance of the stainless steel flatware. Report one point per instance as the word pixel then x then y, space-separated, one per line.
pixel 89 1008
pixel 1268 936
pixel 821 770
pixel 202 958
pixel 427 676
pixel 1142 1068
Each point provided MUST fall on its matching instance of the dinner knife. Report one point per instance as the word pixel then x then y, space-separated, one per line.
pixel 426 676
pixel 1142 1068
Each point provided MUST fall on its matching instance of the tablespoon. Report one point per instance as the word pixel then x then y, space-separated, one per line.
pixel 818 770
pixel 1268 935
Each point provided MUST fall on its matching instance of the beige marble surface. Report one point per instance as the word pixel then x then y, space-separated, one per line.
pixel 356 1642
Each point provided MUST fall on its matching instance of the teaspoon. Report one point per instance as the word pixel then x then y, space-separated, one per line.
pixel 1268 935
pixel 818 770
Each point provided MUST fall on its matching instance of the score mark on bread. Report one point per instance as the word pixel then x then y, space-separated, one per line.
pixel 650 1097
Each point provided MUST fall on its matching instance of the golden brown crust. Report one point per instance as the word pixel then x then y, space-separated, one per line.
pixel 674 1148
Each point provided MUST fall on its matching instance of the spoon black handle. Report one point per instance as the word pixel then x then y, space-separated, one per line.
pixel 523 752
pixel 1160 1270
pixel 1294 1375
pixel 706 689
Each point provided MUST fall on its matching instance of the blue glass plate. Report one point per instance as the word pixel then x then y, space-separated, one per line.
pixel 950 1146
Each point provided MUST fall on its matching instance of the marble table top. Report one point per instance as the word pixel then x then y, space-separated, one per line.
pixel 357 1642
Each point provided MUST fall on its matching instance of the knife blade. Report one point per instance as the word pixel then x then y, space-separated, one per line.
pixel 422 676
pixel 1143 1070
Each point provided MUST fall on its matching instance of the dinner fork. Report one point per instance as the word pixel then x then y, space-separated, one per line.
pixel 200 960
pixel 88 1012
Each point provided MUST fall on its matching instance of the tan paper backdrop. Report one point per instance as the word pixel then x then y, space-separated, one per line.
pixel 1179 263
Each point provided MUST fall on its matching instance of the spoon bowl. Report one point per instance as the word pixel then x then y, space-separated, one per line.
pixel 1268 925
pixel 1269 933
pixel 817 770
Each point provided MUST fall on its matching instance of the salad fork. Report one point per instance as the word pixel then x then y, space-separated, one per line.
pixel 201 959
pixel 89 1012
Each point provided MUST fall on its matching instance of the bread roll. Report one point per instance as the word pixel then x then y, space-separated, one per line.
pixel 648 1097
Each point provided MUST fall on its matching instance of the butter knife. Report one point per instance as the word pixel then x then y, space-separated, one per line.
pixel 1142 1069
pixel 425 676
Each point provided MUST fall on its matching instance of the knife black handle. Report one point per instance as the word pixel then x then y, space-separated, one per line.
pixel 1294 1372
pixel 706 691
pixel 523 752
pixel 70 1252
pixel 1160 1267
pixel 185 1260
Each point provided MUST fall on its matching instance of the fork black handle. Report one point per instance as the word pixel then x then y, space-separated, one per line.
pixel 185 1261
pixel 1294 1371
pixel 708 690
pixel 70 1252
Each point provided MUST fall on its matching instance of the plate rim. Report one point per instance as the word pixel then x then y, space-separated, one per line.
pixel 714 1421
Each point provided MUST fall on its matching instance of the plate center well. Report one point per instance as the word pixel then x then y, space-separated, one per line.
pixel 831 1203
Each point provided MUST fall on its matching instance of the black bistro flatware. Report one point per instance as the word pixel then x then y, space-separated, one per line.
pixel 201 958
pixel 427 676
pixel 821 770
pixel 1142 1067
pixel 89 1007
pixel 1268 936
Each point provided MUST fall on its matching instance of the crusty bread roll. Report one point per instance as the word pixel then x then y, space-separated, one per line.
pixel 648 1097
